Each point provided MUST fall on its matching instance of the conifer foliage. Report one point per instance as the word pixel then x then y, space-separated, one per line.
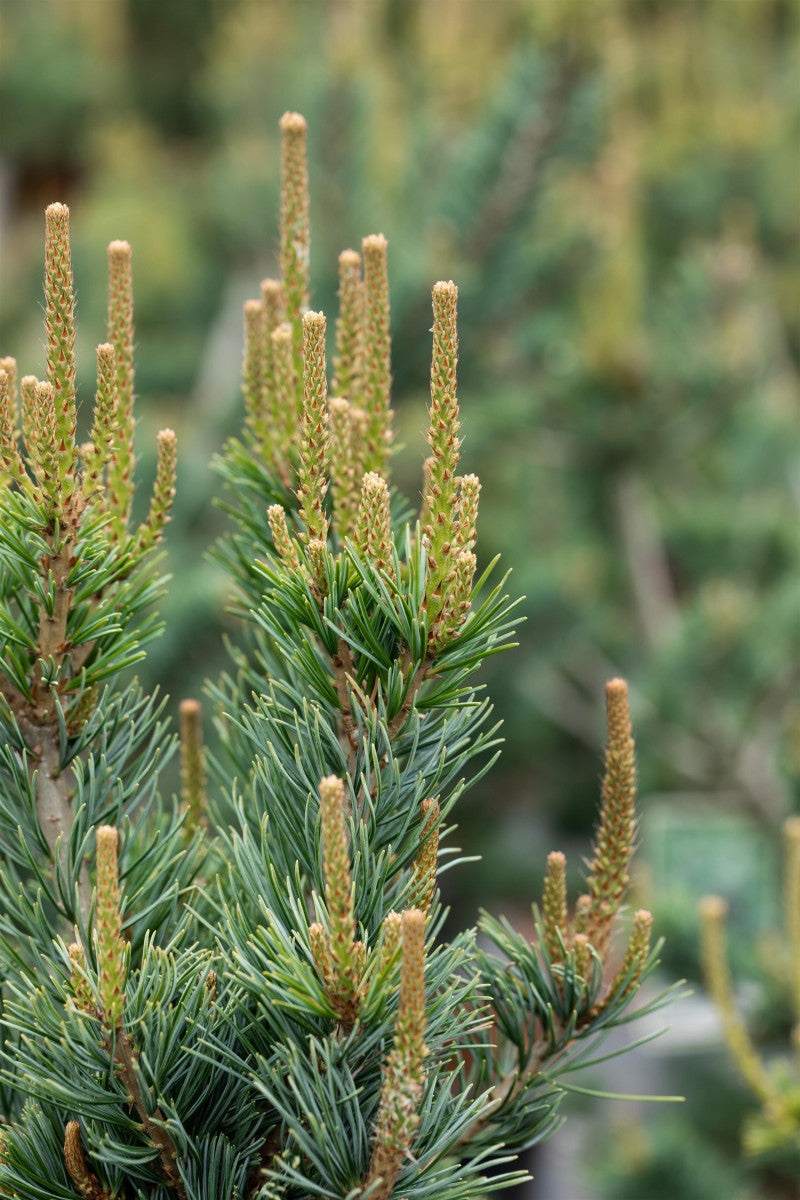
pixel 253 996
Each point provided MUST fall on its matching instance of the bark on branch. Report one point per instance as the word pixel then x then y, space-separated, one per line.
pixel 152 1119
pixel 54 810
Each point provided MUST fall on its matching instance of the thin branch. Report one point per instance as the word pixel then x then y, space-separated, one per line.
pixel 52 642
pixel 152 1121
pixel 419 677
pixel 508 1087
pixel 342 663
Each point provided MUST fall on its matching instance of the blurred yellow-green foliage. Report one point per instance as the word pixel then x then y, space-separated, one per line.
pixel 614 185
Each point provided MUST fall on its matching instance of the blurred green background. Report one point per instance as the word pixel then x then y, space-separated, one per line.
pixel 614 185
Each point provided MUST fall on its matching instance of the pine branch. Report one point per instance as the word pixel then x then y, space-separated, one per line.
pixel 149 1114
pixel 328 1049
pixel 112 969
pixel 342 663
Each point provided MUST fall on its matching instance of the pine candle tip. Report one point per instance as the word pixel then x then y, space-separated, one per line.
pixel 713 908
pixel 643 916
pixel 106 838
pixel 331 789
pixel 293 122
pixel 282 332
pixel 315 547
pixel 189 708
pixel 271 287
pixel 314 321
pixel 374 243
pixel 119 250
pixel 557 858
pixel 350 258
pixel 166 437
pixel 618 710
pixel 253 308
pixel 444 289
pixel 57 212
pixel 414 920
pixel 582 950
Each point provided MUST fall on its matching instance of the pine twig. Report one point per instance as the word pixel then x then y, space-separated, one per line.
pixel 150 1115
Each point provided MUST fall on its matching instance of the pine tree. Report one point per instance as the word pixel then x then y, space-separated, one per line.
pixel 253 995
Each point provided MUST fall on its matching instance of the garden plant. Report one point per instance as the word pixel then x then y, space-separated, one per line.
pixel 251 990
